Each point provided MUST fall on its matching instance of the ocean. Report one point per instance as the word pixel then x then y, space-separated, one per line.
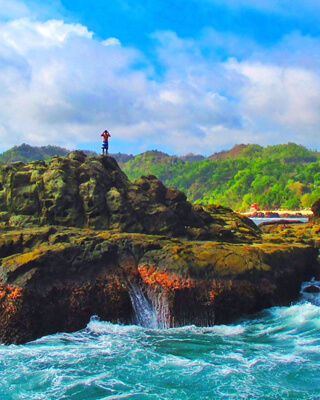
pixel 272 355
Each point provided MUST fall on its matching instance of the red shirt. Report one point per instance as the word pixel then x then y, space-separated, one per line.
pixel 105 136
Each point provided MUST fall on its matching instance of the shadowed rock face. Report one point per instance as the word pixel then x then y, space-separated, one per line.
pixel 93 192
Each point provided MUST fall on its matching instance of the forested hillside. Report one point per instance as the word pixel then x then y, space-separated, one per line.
pixel 28 153
pixel 280 176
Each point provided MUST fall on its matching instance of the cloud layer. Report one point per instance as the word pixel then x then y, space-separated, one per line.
pixel 61 85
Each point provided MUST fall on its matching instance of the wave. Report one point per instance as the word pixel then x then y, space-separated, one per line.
pixel 273 355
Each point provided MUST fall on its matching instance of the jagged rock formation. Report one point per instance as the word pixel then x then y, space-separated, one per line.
pixel 77 234
pixel 93 192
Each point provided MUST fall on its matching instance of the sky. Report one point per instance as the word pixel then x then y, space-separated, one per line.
pixel 178 76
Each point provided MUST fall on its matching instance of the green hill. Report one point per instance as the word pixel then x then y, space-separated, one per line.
pixel 280 176
pixel 28 153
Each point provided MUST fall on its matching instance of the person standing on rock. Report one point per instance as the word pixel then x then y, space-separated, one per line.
pixel 105 144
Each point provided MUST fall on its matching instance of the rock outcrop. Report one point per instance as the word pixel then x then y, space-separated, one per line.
pixel 77 238
pixel 93 192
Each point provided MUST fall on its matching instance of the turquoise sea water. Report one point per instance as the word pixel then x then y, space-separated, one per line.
pixel 273 355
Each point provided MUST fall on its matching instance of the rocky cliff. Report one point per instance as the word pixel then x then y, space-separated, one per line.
pixel 93 192
pixel 78 239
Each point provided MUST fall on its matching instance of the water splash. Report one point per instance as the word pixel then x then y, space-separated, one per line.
pixel 161 308
pixel 144 312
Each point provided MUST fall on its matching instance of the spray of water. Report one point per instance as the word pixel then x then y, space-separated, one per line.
pixel 151 309
pixel 144 313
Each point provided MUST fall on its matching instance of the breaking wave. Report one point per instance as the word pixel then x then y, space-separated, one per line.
pixel 273 355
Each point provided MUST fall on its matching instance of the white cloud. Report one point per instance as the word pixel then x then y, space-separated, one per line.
pixel 58 82
pixel 60 85
pixel 171 97
pixel 111 42
pixel 64 86
pixel 13 9
pixel 24 35
pixel 279 91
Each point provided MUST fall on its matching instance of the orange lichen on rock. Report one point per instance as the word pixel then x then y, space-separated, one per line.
pixel 9 292
pixel 151 276
pixel 10 301
pixel 14 293
pixel 217 287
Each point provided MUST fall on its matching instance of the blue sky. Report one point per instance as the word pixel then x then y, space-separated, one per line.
pixel 178 76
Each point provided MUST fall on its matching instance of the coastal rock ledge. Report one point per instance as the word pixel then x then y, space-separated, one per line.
pixel 79 239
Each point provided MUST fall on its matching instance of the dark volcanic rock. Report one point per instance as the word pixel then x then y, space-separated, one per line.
pixel 82 191
pixel 282 222
pixel 54 279
pixel 271 214
pixel 312 289
pixel 153 187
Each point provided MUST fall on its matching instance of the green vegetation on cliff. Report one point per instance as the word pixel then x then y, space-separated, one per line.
pixel 280 176
pixel 28 153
